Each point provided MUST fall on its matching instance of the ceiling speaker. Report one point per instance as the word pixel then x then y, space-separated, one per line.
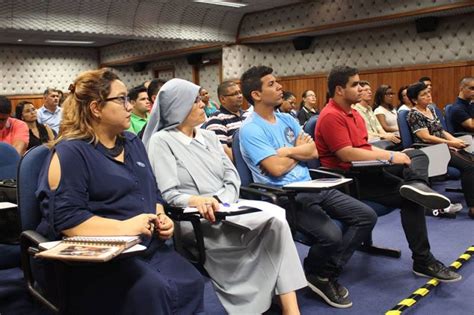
pixel 194 59
pixel 139 66
pixel 426 24
pixel 302 42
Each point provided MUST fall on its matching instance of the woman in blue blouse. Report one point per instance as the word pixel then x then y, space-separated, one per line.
pixel 99 182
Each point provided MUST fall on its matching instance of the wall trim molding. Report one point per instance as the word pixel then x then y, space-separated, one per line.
pixel 340 25
pixel 386 70
pixel 161 55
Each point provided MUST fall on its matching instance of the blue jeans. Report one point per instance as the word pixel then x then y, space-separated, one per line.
pixel 333 247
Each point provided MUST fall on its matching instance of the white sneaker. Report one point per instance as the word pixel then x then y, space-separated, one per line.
pixel 453 208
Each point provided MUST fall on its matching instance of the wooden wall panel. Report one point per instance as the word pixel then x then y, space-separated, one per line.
pixel 445 80
pixel 36 100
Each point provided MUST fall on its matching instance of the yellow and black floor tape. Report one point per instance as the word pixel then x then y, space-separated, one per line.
pixel 425 289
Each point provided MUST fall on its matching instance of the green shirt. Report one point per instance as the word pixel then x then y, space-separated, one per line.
pixel 137 123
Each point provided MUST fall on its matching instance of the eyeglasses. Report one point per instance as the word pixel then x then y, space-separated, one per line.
pixel 236 93
pixel 390 94
pixel 122 100
pixel 26 111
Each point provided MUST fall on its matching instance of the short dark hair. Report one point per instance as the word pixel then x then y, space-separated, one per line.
pixel 154 86
pixel 19 109
pixel 380 93
pixel 414 90
pixel 49 91
pixel 400 96
pixel 5 105
pixel 423 79
pixel 135 91
pixel 287 95
pixel 251 80
pixel 339 76
pixel 222 88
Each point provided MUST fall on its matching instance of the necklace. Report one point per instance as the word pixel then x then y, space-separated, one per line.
pixel 116 149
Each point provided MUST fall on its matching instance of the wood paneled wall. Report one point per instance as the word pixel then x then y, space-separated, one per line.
pixel 445 79
pixel 36 100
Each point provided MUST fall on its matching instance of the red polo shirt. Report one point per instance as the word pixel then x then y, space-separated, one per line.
pixel 337 129
pixel 14 129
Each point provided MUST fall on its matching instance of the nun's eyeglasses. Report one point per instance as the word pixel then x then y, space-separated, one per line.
pixel 122 100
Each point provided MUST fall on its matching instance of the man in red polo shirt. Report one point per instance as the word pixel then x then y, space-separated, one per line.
pixel 12 131
pixel 341 137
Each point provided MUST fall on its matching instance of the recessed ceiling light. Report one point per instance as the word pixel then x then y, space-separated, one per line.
pixel 19 40
pixel 223 3
pixel 78 42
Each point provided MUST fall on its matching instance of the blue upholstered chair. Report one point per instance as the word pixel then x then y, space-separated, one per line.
pixel 8 161
pixel 28 172
pixel 9 157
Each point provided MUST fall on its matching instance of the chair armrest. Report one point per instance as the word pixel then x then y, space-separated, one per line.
pixel 259 193
pixel 320 173
pixel 459 134
pixel 418 145
pixel 177 214
pixel 29 241
pixel 272 189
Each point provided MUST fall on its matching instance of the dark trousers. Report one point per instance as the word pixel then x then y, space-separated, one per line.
pixel 463 161
pixel 384 187
pixel 332 248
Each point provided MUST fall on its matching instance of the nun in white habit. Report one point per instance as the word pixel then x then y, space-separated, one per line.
pixel 248 266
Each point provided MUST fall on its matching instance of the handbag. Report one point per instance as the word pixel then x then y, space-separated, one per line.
pixel 9 217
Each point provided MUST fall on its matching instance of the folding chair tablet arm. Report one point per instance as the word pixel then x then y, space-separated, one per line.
pixel 29 244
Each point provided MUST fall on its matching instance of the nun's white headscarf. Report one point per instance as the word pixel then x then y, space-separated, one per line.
pixel 172 105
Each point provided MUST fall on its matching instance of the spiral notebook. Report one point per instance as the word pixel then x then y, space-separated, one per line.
pixel 89 248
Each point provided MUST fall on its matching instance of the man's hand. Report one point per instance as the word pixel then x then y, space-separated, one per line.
pixel 303 138
pixel 400 158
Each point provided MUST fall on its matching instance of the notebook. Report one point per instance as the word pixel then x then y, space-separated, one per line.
pixel 89 248
pixel 320 183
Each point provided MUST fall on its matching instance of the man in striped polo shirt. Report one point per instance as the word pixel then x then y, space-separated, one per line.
pixel 229 117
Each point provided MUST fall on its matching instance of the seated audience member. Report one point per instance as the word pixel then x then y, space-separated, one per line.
pixel 12 131
pixel 384 110
pixel 426 127
pixel 248 265
pixel 99 182
pixel 138 97
pixel 38 133
pixel 341 138
pixel 463 107
pixel 309 107
pixel 153 89
pixel 427 81
pixel 372 124
pixel 404 102
pixel 211 107
pixel 229 117
pixel 50 113
pixel 288 105
pixel 275 147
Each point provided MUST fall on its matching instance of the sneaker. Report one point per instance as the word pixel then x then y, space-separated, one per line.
pixel 453 208
pixel 425 196
pixel 436 270
pixel 328 291
pixel 341 290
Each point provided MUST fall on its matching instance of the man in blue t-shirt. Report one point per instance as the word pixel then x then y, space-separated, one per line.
pixel 462 112
pixel 274 147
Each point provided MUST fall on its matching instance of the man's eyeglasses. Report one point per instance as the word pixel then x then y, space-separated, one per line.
pixel 122 100
pixel 236 93
pixel 390 94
